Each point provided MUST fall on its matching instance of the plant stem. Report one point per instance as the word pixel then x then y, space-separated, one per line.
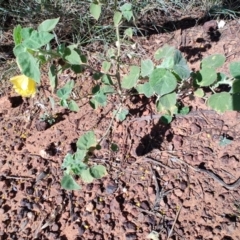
pixel 110 124
pixel 51 53
pixel 118 61
pixel 94 70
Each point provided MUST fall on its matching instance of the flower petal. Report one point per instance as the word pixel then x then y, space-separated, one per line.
pixel 24 86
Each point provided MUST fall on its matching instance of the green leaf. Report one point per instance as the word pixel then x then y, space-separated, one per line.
pixel 180 65
pixel 106 79
pixel 68 161
pixel 17 37
pixel 126 10
pixel 74 163
pixel 111 53
pixel 235 102
pixel 128 32
pixel 99 99
pixel 213 61
pixel 224 141
pixel 52 75
pixel 162 81
pixel 221 79
pixel 199 93
pixel 131 79
pixel 86 176
pixel 167 103
pixel 117 18
pixel 77 68
pixel 29 66
pixel 206 77
pixel 72 55
pixel 64 92
pixel 236 86
pixel 147 67
pixel 61 49
pixel 121 114
pixel 64 103
pixel 234 68
pixel 106 89
pixel 184 110
pixel 166 119
pixel 72 105
pixel 167 63
pixel 19 49
pixel 79 155
pixel 48 25
pixel 37 39
pixel 97 75
pixel 69 183
pixel 26 33
pixel 165 52
pixel 145 89
pixel 114 147
pixel 220 102
pixel 87 140
pixel 98 171
pixel 95 10
pixel 106 66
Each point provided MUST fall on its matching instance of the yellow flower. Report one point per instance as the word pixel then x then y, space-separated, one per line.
pixel 24 85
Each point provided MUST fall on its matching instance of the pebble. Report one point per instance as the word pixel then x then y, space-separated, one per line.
pixel 129 226
pixel 30 215
pixel 89 207
pixel 144 205
pixel 178 192
pixel 55 227
pixel 59 200
pixel 111 188
pixel 81 230
pixel 131 236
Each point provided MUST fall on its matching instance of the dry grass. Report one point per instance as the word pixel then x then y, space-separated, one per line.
pixel 77 25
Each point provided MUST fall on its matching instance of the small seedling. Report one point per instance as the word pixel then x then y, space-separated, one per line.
pixel 77 164
pixel 47 118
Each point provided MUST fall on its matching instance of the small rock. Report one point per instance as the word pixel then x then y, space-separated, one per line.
pixel 111 187
pixel 129 226
pixel 81 230
pixel 177 141
pixel 55 227
pixel 195 128
pixel 114 205
pixel 30 215
pixel 178 192
pixel 207 150
pixel 52 235
pixel 89 207
pixel 29 190
pixel 150 219
pixel 59 200
pixel 144 205
pixel 225 159
pixel 210 26
pixel 107 217
pixel 189 158
pixel 200 157
pixel 41 125
pixel 131 236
